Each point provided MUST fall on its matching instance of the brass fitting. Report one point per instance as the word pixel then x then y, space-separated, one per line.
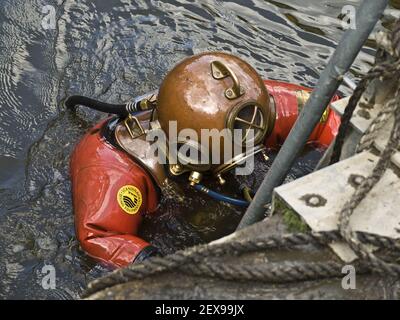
pixel 195 178
pixel 176 169
pixel 265 155
pixel 221 180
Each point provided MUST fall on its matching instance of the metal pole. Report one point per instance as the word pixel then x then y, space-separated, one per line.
pixel 368 14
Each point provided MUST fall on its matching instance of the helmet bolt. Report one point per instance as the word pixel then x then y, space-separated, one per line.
pixel 264 153
pixel 221 180
pixel 176 169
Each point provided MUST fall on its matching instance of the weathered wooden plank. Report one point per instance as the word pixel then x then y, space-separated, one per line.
pixel 319 197
pixel 383 138
pixel 362 117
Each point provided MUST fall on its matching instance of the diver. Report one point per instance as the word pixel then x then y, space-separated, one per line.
pixel 118 177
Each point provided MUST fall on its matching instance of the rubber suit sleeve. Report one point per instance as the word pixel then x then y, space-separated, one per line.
pixel 106 225
pixel 110 194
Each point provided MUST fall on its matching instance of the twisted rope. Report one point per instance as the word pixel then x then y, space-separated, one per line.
pixel 369 137
pixel 195 255
pixel 362 191
pixel 191 261
pixel 269 273
pixel 383 71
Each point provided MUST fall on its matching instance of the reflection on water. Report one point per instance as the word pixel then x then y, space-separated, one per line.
pixel 113 50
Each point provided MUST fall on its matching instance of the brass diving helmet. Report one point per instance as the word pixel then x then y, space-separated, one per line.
pixel 209 92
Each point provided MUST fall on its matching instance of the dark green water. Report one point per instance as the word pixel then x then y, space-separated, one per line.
pixel 113 50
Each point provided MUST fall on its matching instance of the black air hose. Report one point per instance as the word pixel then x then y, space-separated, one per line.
pixel 118 109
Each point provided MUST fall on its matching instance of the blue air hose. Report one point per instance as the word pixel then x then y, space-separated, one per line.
pixel 220 197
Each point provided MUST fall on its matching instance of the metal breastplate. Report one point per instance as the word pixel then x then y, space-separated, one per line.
pixel 131 136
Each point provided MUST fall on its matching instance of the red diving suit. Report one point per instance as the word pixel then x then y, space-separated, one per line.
pixel 112 192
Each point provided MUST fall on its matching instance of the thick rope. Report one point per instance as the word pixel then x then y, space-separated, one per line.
pixel 269 273
pixel 181 260
pixel 362 191
pixel 384 71
pixel 369 137
pixel 156 265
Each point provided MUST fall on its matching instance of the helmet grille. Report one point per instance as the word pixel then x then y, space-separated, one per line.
pixel 246 117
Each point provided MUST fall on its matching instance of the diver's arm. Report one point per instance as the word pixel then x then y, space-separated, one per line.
pixel 289 100
pixel 109 205
pixel 108 212
pixel 118 250
pixel 111 193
